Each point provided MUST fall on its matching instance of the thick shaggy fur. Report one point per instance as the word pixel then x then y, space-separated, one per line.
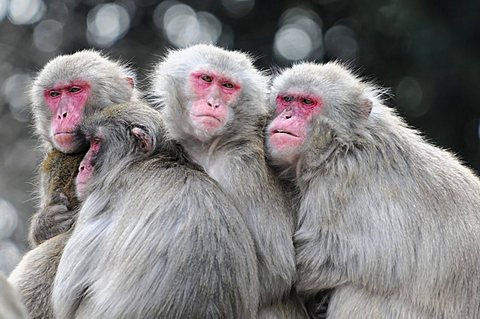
pixel 387 219
pixel 235 158
pixel 156 237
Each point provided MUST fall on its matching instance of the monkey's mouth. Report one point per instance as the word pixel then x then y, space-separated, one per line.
pixel 208 116
pixel 64 137
pixel 278 131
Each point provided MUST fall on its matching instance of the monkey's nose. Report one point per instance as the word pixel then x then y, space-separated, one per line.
pixel 81 168
pixel 214 105
pixel 63 115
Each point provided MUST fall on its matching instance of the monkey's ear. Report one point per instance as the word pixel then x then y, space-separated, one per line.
pixel 131 81
pixel 144 141
pixel 365 106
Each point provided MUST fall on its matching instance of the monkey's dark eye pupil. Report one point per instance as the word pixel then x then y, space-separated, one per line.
pixel 228 85
pixel 74 89
pixel 54 94
pixel 207 78
pixel 288 98
pixel 307 101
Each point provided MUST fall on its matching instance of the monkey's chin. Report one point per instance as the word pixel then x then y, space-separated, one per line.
pixel 65 142
pixel 207 127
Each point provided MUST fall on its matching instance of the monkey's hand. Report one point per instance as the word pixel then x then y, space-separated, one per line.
pixel 55 218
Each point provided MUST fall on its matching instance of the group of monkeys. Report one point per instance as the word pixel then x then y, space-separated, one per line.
pixel 233 195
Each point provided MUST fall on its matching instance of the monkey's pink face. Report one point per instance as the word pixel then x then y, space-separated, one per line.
pixel 66 103
pixel 87 168
pixel 214 94
pixel 288 131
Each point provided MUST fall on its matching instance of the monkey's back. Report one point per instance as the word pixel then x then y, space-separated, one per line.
pixel 203 265
pixel 408 212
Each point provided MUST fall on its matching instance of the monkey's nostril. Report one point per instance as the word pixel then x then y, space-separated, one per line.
pixel 64 115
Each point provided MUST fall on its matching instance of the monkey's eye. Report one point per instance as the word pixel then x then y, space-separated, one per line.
pixel 228 85
pixel 74 89
pixel 307 101
pixel 54 93
pixel 206 78
pixel 95 141
pixel 288 98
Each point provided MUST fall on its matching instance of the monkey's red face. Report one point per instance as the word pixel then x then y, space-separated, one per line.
pixel 66 103
pixel 214 93
pixel 288 131
pixel 87 168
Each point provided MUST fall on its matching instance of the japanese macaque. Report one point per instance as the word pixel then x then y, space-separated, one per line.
pixel 214 103
pixel 69 89
pixel 155 237
pixel 10 305
pixel 388 220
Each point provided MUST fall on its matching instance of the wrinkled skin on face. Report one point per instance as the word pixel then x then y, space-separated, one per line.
pixel 214 93
pixel 66 102
pixel 287 133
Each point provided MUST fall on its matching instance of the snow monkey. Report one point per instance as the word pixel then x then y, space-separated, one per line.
pixel 155 237
pixel 67 90
pixel 388 220
pixel 214 103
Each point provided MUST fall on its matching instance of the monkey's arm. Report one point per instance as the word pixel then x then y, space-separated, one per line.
pixel 58 202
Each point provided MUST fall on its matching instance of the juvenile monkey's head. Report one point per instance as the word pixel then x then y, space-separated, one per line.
pixel 205 91
pixel 71 87
pixel 118 136
pixel 315 105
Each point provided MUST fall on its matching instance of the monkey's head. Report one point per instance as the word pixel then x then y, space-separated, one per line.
pixel 71 87
pixel 118 136
pixel 316 105
pixel 205 91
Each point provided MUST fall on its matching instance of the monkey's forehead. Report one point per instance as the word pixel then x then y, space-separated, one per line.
pixel 315 78
pixel 233 64
pixel 83 65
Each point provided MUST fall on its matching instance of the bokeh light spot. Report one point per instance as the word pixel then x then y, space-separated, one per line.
pixel 292 43
pixel 10 256
pixel 3 9
pixel 8 219
pixel 182 26
pixel 238 8
pixel 15 92
pixel 106 23
pixel 299 36
pixel 409 95
pixel 340 43
pixel 48 35
pixel 26 11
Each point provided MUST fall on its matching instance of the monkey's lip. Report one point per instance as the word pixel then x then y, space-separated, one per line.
pixel 208 116
pixel 64 137
pixel 278 131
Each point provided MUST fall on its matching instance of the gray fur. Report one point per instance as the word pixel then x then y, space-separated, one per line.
pixel 58 206
pixel 235 159
pixel 155 238
pixel 389 220
pixel 11 306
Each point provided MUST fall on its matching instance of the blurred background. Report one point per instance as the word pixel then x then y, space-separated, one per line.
pixel 427 52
